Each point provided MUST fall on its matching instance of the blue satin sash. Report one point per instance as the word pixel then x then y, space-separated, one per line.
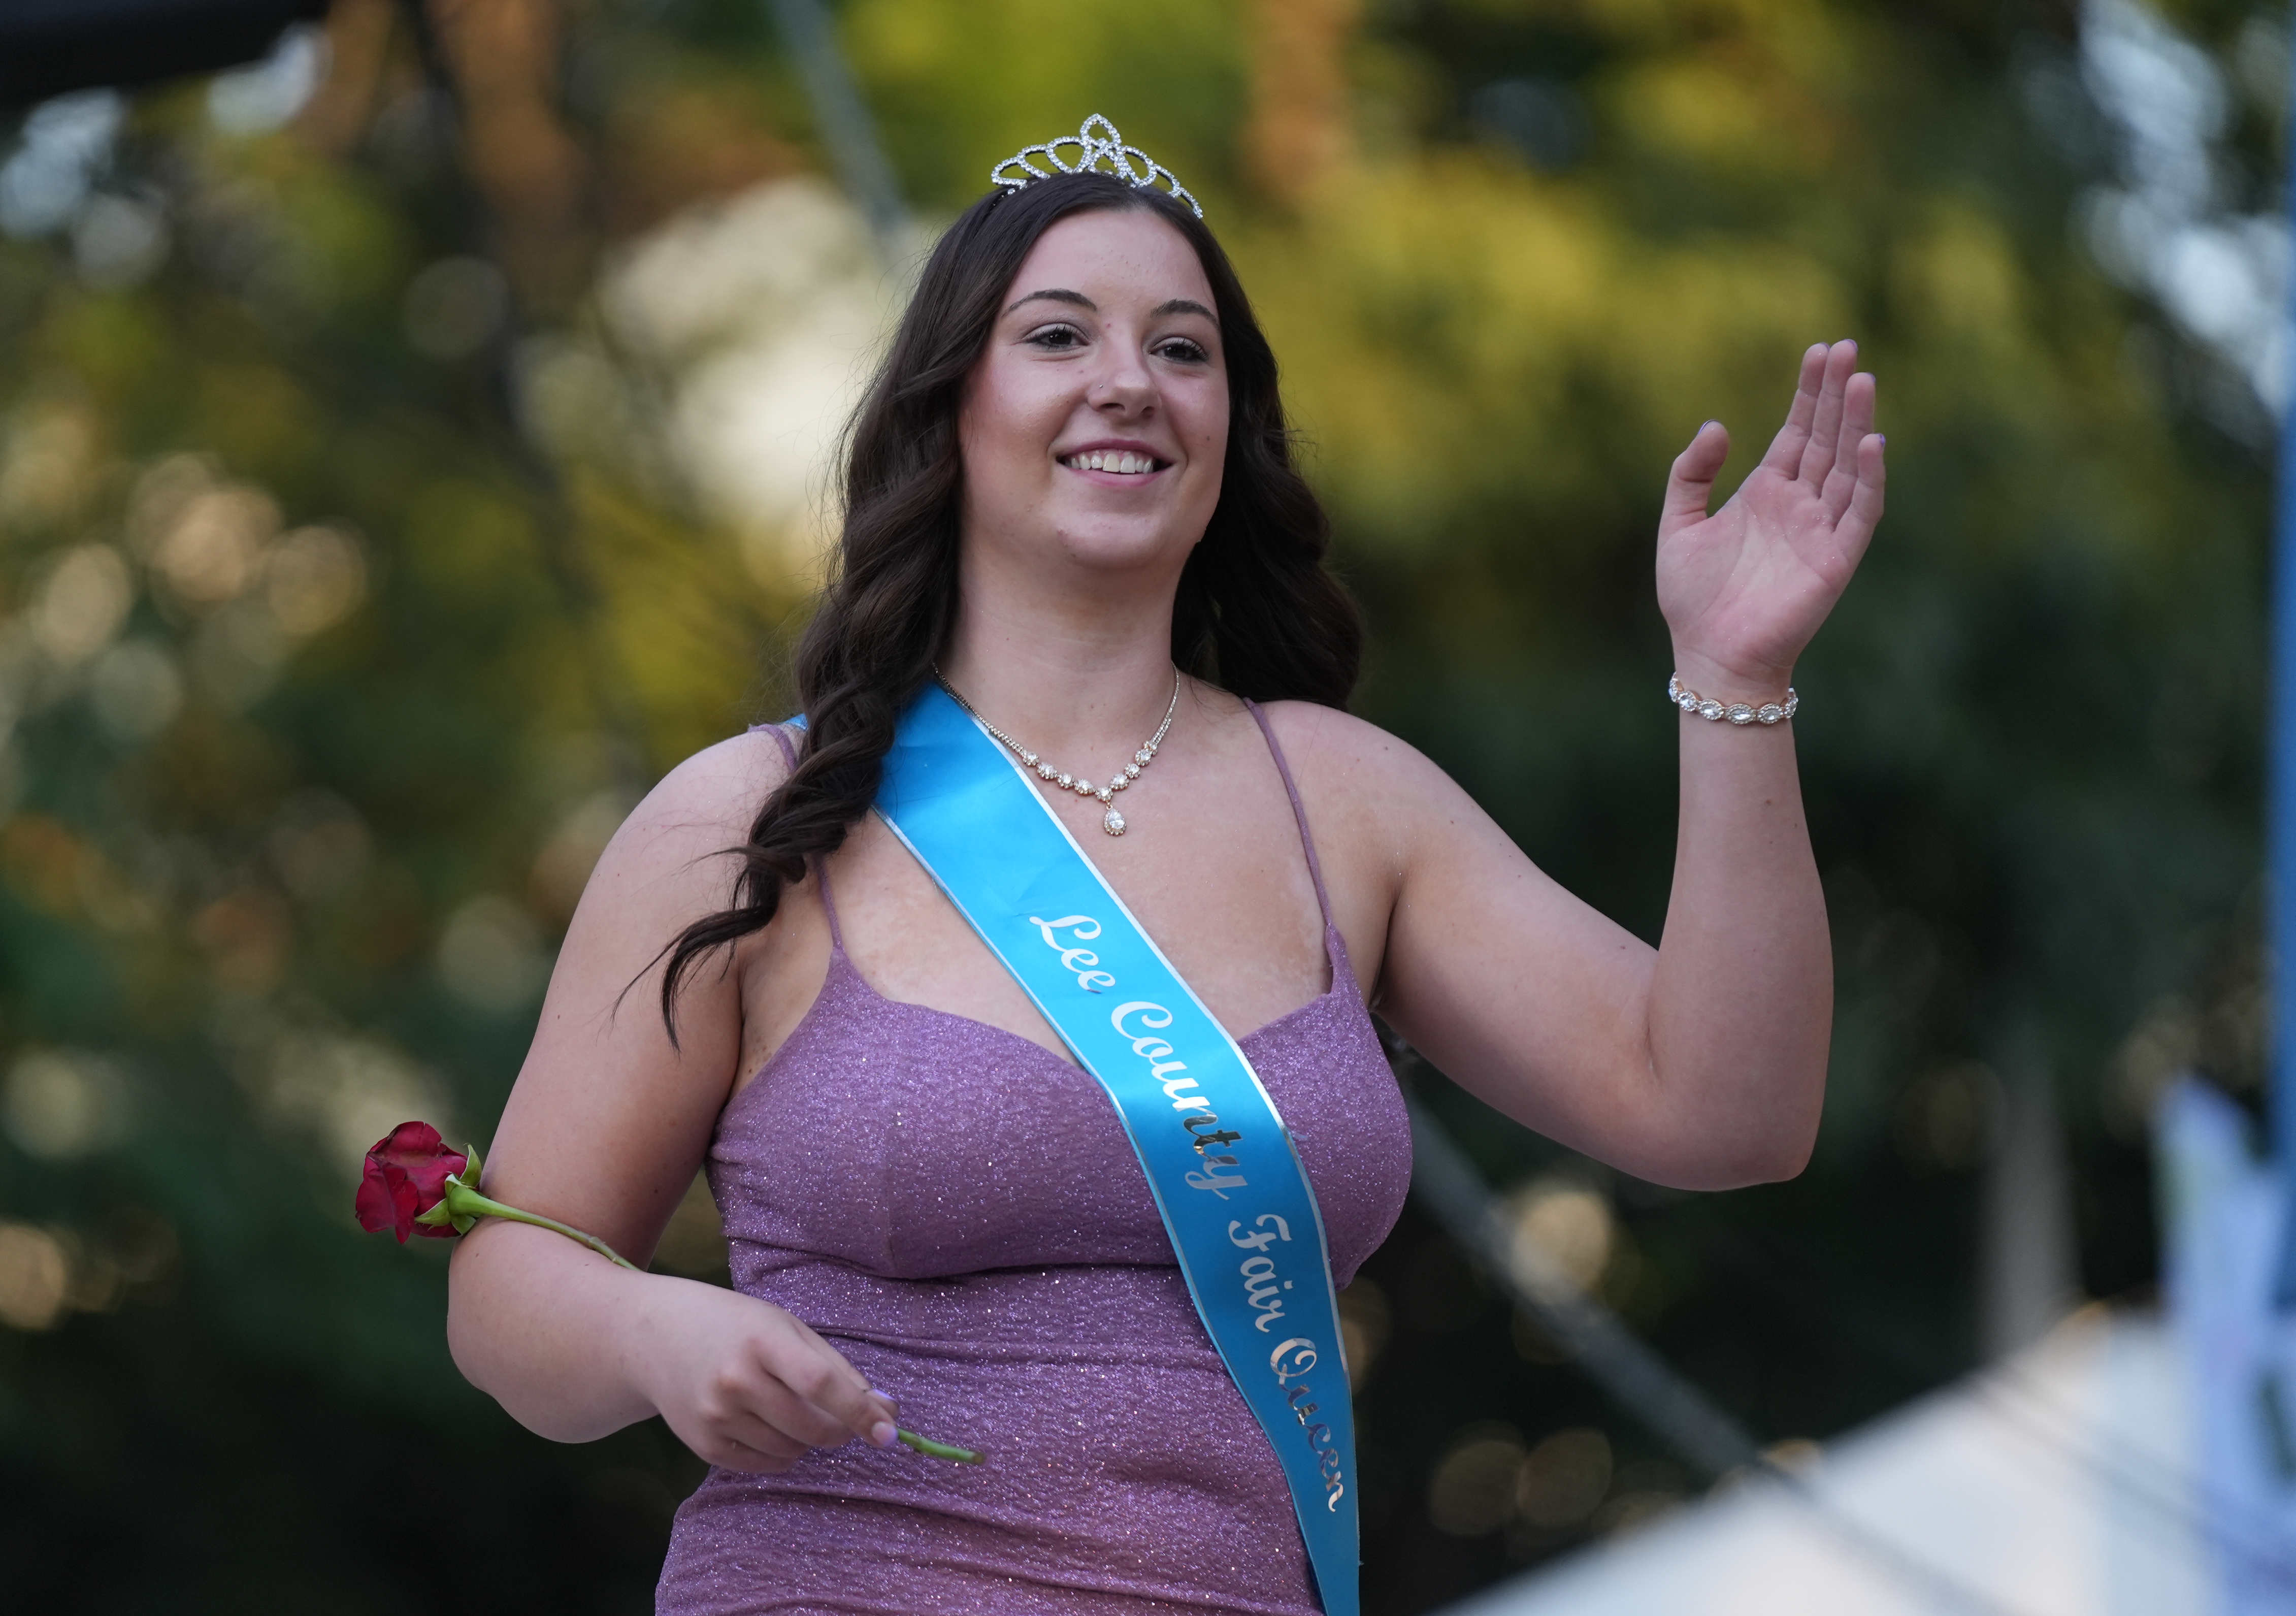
pixel 1227 1178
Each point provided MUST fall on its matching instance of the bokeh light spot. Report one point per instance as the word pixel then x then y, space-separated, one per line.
pixel 35 1277
pixel 58 1105
pixel 1472 1489
pixel 490 956
pixel 83 602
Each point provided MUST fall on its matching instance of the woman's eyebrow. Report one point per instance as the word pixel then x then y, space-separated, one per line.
pixel 1055 294
pixel 1061 294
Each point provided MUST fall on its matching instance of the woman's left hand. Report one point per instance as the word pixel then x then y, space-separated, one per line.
pixel 1744 589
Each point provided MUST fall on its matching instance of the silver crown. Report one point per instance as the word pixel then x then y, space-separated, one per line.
pixel 1100 149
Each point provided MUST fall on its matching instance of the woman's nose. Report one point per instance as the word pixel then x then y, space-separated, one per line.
pixel 1125 386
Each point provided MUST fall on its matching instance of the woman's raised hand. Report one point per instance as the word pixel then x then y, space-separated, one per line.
pixel 1744 589
pixel 746 1385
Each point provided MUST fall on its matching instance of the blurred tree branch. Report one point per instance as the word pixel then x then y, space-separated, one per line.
pixel 359 35
pixel 502 59
pixel 1299 125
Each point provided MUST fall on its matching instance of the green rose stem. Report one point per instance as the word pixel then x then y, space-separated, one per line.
pixel 941 1451
pixel 462 1206
pixel 465 1206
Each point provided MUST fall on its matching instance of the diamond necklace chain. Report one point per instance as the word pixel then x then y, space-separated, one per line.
pixel 1112 820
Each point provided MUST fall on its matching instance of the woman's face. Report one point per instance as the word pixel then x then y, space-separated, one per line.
pixel 1094 425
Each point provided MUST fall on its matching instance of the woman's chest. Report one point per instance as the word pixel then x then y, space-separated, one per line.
pixel 914 1143
pixel 1225 892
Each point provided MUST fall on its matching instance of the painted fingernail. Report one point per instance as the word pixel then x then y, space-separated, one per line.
pixel 1710 424
pixel 883 1434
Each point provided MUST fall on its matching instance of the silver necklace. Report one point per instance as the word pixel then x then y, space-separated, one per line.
pixel 1112 821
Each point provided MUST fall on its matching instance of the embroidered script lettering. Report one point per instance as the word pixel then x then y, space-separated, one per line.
pixel 1153 1050
pixel 1291 1361
pixel 1204 1141
pixel 1079 961
pixel 1263 1288
pixel 1213 1178
pixel 1259 1275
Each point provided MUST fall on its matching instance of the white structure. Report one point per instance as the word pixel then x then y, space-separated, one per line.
pixel 2060 1484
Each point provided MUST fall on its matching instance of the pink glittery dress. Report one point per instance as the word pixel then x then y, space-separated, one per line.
pixel 958 1212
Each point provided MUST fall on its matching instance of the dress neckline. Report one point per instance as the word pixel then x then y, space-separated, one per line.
pixel 1335 946
pixel 1335 956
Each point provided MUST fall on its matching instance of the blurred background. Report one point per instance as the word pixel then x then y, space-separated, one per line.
pixel 413 440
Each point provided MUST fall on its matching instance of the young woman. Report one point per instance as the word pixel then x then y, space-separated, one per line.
pixel 1070 496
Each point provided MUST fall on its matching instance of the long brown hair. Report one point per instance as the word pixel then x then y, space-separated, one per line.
pixel 1257 613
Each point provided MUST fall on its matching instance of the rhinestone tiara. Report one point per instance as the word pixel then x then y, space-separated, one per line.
pixel 1099 149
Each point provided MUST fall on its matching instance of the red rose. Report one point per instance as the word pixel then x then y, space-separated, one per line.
pixel 415 1185
pixel 406 1176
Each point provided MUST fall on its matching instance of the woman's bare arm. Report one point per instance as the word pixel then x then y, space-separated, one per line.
pixel 604 1129
pixel 1701 1063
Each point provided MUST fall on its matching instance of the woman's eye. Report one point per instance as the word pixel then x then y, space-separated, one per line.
pixel 1057 338
pixel 1181 351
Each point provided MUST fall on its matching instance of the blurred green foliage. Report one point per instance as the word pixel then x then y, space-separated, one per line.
pixel 351 586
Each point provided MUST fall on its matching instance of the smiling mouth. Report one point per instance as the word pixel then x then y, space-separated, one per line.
pixel 1123 462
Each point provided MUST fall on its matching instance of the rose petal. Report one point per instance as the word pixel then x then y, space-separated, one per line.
pixel 406 1196
pixel 416 1150
pixel 409 1136
pixel 376 1206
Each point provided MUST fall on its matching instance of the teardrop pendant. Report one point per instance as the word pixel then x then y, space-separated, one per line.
pixel 1112 820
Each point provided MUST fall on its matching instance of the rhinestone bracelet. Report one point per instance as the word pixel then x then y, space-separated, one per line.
pixel 1735 712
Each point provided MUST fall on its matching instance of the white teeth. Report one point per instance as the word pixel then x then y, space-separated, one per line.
pixel 1111 460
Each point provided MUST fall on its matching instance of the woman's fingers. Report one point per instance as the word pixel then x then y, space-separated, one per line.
pixel 1690 485
pixel 1855 530
pixel 1824 445
pixel 835 1387
pixel 1856 426
pixel 839 1402
pixel 766 1437
pixel 760 1410
pixel 1785 450
pixel 788 1412
pixel 764 1453
pixel 747 1386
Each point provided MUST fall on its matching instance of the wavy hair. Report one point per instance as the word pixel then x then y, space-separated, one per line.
pixel 1257 612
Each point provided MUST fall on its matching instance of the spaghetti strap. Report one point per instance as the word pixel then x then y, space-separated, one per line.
pixel 1299 809
pixel 780 733
pixel 819 868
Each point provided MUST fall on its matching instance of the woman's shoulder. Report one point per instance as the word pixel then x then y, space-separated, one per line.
pixel 1371 799
pixel 1336 757
pixel 704 806
pixel 730 777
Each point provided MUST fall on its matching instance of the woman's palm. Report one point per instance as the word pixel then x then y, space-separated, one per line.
pixel 1745 588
